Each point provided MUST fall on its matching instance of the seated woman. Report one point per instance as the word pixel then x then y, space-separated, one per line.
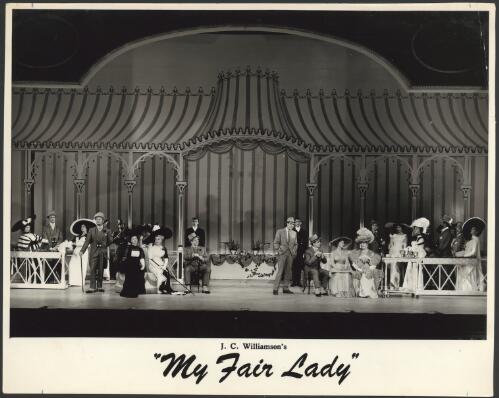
pixel 413 277
pixel 132 266
pixel 341 284
pixel 196 260
pixel 78 265
pixel 398 242
pixel 470 277
pixel 365 261
pixel 313 258
pixel 158 258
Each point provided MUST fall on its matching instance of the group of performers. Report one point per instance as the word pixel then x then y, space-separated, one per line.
pixel 349 272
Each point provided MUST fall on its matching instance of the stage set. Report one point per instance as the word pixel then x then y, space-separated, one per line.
pixel 337 136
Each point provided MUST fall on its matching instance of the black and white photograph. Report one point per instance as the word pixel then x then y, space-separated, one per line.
pixel 286 173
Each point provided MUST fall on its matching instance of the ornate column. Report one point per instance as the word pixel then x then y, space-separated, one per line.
pixel 414 199
pixel 362 186
pixel 180 231
pixel 80 189
pixel 311 190
pixel 28 183
pixel 467 200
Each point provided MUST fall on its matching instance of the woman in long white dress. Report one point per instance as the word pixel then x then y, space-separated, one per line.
pixel 470 277
pixel 340 283
pixel 78 265
pixel 398 243
pixel 158 259
pixel 365 261
pixel 413 277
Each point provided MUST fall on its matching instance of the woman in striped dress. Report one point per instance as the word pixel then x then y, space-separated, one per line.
pixel 29 241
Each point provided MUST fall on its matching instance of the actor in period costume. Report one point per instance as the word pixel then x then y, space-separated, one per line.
pixel 78 265
pixel 29 241
pixel 470 277
pixel 98 238
pixel 302 237
pixel 378 245
pixel 51 231
pixel 117 248
pixel 443 244
pixel 365 261
pixel 398 243
pixel 458 241
pixel 286 246
pixel 158 258
pixel 313 258
pixel 341 284
pixel 132 266
pixel 412 276
pixel 196 260
pixel 195 229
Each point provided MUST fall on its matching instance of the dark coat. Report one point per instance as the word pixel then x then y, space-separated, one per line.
pixel 302 237
pixel 52 235
pixel 199 232
pixel 98 241
pixel 443 245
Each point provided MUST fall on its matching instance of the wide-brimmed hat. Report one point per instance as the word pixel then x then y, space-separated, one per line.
pixel 392 225
pixel 364 235
pixel 422 223
pixel 21 224
pixel 163 231
pixel 336 241
pixel 476 222
pixel 99 214
pixel 314 238
pixel 75 227
pixel 192 236
pixel 51 213
pixel 134 231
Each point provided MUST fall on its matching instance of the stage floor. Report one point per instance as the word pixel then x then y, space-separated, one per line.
pixel 243 309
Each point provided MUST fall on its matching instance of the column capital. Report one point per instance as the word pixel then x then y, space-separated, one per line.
pixel 28 184
pixel 414 189
pixel 363 188
pixel 311 188
pixel 181 185
pixel 466 190
pixel 79 184
pixel 130 184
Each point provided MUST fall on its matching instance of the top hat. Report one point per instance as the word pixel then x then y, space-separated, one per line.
pixel 422 223
pixel 337 240
pixel 364 235
pixel 75 227
pixel 476 222
pixel 51 213
pixel 21 224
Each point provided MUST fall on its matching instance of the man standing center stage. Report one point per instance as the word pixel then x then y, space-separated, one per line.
pixel 98 238
pixel 298 263
pixel 286 245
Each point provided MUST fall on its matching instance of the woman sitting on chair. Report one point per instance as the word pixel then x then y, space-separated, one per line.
pixel 158 258
pixel 313 257
pixel 341 284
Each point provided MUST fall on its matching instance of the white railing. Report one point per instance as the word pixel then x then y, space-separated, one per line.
pixel 439 276
pixel 38 270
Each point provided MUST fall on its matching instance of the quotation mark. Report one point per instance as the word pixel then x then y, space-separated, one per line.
pixel 355 355
pixel 156 356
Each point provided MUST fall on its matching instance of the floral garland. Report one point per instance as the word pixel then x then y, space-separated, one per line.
pixel 245 260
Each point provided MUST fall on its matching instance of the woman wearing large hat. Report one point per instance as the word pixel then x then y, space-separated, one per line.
pixel 28 241
pixel 158 258
pixel 365 261
pixel 398 242
pixel 341 284
pixel 78 265
pixel 412 276
pixel 132 266
pixel 470 277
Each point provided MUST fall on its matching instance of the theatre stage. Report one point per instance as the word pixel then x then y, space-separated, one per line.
pixel 243 309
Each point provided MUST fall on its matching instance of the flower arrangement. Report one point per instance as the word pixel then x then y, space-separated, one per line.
pixel 233 246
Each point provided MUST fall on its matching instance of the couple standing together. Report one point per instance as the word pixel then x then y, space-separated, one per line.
pixel 287 244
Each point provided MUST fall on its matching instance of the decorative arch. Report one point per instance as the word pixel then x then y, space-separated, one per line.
pixel 316 167
pixel 458 165
pixel 162 154
pixel 33 166
pixel 82 166
pixel 387 65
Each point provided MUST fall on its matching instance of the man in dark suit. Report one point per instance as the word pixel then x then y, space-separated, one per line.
pixel 443 245
pixel 98 238
pixel 286 245
pixel 196 260
pixel 196 230
pixel 302 237
pixel 51 231
pixel 378 245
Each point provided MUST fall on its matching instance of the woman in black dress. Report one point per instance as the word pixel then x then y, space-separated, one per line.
pixel 133 265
